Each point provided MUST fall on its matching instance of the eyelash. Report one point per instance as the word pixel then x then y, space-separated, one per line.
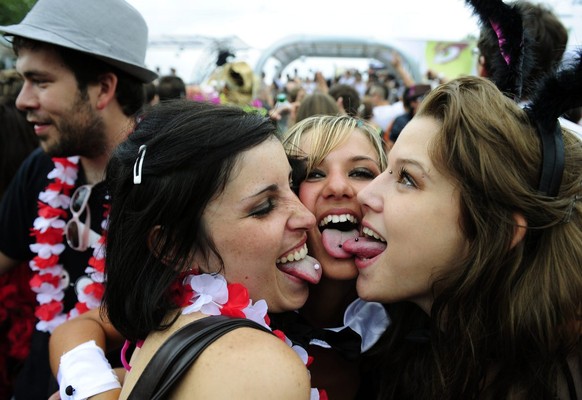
pixel 363 173
pixel 264 209
pixel 358 173
pixel 405 179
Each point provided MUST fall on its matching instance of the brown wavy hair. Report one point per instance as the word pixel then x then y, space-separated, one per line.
pixel 505 322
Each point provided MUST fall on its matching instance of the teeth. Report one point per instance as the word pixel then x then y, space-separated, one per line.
pixel 338 218
pixel 294 256
pixel 368 232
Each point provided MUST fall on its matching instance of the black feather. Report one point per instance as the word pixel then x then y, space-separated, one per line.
pixel 504 23
pixel 558 93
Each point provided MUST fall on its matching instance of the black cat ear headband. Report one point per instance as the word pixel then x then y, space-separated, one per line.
pixel 558 93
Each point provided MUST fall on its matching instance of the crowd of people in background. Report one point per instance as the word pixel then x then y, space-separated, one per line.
pixel 341 136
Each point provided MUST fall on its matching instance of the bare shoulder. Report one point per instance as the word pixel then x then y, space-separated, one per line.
pixel 247 363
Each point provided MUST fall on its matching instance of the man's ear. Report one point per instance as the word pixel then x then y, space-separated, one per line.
pixel 519 230
pixel 107 87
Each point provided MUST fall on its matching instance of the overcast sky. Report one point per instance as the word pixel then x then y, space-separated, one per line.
pixel 260 23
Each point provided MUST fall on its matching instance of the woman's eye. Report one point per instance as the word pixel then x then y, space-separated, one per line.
pixel 315 174
pixel 363 173
pixel 406 179
pixel 263 209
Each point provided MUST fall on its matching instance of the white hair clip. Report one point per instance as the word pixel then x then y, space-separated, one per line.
pixel 137 167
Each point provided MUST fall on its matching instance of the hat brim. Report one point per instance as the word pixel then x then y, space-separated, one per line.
pixel 34 33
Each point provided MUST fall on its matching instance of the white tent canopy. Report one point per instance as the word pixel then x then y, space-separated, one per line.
pixel 292 48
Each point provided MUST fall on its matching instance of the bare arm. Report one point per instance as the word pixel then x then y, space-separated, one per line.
pixel 85 327
pixel 403 72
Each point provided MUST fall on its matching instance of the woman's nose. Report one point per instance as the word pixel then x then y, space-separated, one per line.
pixel 337 185
pixel 301 217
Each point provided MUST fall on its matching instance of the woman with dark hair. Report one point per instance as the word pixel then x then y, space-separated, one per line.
pixel 200 226
pixel 473 236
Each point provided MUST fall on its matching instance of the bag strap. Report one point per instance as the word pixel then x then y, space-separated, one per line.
pixel 180 351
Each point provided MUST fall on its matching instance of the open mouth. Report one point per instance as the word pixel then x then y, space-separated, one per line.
pixel 335 230
pixel 298 264
pixel 293 256
pixel 367 246
pixel 367 232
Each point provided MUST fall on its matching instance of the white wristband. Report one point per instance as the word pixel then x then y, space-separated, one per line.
pixel 84 372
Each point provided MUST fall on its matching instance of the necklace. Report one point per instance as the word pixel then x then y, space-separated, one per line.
pixel 50 279
pixel 210 294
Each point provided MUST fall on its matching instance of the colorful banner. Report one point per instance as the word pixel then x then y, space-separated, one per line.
pixel 450 59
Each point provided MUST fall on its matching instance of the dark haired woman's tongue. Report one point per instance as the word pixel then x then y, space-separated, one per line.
pixel 307 269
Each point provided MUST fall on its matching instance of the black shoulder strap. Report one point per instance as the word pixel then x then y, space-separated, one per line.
pixel 180 351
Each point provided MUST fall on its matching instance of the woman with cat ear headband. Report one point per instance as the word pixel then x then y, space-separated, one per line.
pixel 473 237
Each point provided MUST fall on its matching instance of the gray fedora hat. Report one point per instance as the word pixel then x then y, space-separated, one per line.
pixel 111 30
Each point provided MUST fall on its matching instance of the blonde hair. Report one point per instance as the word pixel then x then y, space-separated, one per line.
pixel 327 134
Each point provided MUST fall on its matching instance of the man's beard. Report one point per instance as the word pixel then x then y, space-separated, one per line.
pixel 81 134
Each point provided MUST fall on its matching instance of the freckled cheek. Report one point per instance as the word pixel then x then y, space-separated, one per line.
pixel 308 195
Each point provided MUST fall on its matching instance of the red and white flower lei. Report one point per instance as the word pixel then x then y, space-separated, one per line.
pixel 212 295
pixel 51 279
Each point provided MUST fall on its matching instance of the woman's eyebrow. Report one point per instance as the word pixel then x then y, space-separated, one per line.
pixel 270 188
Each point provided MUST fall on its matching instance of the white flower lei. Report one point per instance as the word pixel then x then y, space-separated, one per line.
pixel 51 279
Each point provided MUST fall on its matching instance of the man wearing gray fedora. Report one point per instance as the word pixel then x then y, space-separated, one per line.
pixel 83 67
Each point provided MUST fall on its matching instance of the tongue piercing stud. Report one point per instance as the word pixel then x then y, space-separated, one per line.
pixel 339 245
pixel 357 239
pixel 390 172
pixel 315 266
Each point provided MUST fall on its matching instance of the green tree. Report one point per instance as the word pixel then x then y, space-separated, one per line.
pixel 12 11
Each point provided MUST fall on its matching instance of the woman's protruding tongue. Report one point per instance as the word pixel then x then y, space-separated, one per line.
pixel 333 240
pixel 364 247
pixel 308 269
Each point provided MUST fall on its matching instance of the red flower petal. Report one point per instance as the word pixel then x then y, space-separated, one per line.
pixel 180 294
pixel 95 289
pixel 48 311
pixel 238 299
pixel 46 211
pixel 81 307
pixel 279 334
pixel 46 262
pixel 98 264
pixel 38 279
pixel 50 236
